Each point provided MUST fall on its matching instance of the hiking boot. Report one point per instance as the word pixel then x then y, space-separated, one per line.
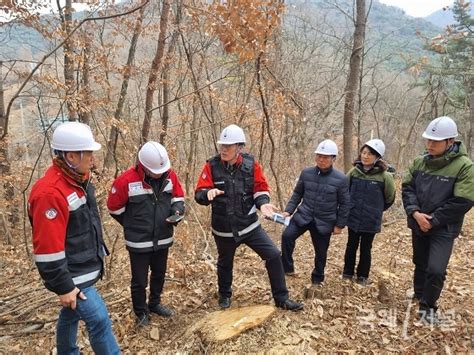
pixel 289 305
pixel 143 319
pixel 347 277
pixel 224 302
pixel 363 281
pixel 161 310
pixel 428 316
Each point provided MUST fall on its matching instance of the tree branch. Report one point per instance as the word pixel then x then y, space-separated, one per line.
pixel 46 56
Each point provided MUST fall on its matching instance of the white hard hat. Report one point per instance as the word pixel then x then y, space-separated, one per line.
pixel 327 147
pixel 154 157
pixel 74 137
pixel 232 134
pixel 441 128
pixel 377 145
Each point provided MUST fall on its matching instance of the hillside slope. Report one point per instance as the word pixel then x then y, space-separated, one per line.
pixel 342 317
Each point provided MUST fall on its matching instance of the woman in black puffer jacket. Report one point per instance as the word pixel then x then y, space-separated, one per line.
pixel 372 191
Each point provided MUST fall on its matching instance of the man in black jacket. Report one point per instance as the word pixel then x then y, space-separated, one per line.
pixel 321 200
pixel 141 200
pixel 234 184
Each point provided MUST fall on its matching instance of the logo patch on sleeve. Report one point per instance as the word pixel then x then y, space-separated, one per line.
pixel 114 190
pixel 51 213
pixel 204 176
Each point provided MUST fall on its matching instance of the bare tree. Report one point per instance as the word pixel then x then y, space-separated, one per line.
pixel 2 101
pixel 84 111
pixel 352 81
pixel 66 20
pixel 155 68
pixel 166 77
pixel 114 131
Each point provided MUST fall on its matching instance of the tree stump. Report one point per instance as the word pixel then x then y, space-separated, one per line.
pixel 226 324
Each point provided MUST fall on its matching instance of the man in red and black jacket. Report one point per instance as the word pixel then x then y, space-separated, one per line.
pixel 67 239
pixel 234 184
pixel 142 200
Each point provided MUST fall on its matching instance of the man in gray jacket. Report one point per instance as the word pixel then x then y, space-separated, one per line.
pixel 321 200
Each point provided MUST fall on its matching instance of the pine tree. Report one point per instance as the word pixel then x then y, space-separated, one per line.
pixel 456 70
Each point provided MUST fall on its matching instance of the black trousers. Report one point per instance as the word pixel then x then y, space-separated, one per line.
pixel 141 263
pixel 320 245
pixel 365 258
pixel 259 242
pixel 431 256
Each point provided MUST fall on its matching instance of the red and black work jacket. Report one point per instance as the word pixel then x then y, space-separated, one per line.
pixel 142 209
pixel 67 234
pixel 234 214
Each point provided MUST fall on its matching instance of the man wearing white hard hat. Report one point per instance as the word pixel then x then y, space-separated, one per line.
pixel 69 249
pixel 437 191
pixel 321 202
pixel 372 192
pixel 148 201
pixel 233 183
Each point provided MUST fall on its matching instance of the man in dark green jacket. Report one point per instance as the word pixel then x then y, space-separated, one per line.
pixel 437 192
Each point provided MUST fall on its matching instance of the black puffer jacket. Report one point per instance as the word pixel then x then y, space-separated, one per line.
pixel 324 198
pixel 372 192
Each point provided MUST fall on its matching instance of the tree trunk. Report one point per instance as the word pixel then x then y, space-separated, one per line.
pixel 352 82
pixel 69 62
pixel 166 85
pixel 2 102
pixel 114 131
pixel 4 161
pixel 269 132
pixel 166 111
pixel 469 141
pixel 85 112
pixel 155 67
pixel 5 166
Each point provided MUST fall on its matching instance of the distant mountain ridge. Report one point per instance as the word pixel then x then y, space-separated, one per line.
pixel 396 34
pixel 443 18
pixel 383 19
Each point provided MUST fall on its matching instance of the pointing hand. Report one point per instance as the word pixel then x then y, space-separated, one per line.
pixel 213 193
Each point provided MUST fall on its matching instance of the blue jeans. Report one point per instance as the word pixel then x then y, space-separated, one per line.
pixel 94 313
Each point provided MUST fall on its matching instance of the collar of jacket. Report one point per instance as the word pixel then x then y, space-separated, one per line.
pixel 139 168
pixel 61 171
pixel 458 149
pixel 237 163
pixel 323 172
pixel 141 173
pixel 372 171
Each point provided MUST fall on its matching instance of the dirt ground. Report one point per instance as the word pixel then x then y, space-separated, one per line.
pixel 341 317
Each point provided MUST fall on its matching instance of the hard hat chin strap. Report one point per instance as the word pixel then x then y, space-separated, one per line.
pixel 449 147
pixel 73 167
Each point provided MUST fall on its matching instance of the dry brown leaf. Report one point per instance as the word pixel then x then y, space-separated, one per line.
pixel 155 333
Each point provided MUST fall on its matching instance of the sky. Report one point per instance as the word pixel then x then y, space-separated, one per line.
pixel 418 8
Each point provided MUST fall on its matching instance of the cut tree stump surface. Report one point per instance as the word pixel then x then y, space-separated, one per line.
pixel 226 324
